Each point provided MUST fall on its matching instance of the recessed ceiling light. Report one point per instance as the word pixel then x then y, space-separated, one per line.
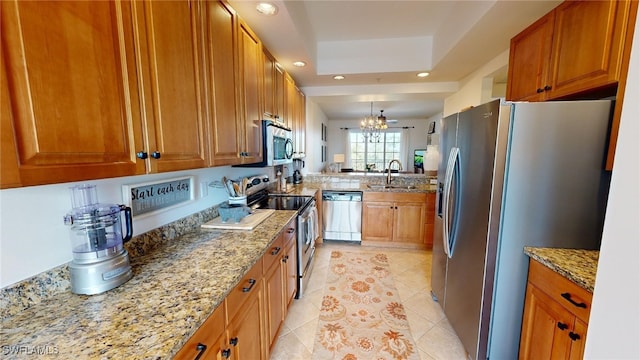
pixel 338 77
pixel 299 63
pixel 423 74
pixel 266 8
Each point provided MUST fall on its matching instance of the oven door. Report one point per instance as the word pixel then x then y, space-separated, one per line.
pixel 307 234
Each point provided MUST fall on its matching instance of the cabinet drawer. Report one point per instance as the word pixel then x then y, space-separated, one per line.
pixel 567 293
pixel 394 196
pixel 289 233
pixel 206 335
pixel 245 288
pixel 273 253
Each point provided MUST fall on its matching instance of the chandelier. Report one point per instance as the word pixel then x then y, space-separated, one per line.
pixel 372 125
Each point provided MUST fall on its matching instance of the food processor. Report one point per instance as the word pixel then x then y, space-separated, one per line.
pixel 100 262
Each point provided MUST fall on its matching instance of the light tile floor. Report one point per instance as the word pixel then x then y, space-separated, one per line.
pixel 411 270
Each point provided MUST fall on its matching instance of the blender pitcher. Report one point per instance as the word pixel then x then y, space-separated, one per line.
pixel 100 261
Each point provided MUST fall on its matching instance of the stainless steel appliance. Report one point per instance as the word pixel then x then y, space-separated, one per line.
pixel 277 145
pixel 525 174
pixel 342 215
pixel 100 262
pixel 307 224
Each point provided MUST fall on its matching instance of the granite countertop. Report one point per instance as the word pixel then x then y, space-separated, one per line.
pixel 173 291
pixel 309 189
pixel 576 265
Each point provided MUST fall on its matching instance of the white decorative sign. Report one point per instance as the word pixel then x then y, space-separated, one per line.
pixel 151 197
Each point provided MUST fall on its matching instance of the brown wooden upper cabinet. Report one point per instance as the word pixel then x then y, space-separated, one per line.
pixel 250 55
pixel 274 88
pixel 72 89
pixel 102 89
pixel 579 50
pixel 170 67
pixel 577 47
pixel 225 128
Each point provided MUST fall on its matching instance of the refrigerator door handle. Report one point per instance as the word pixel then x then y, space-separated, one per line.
pixel 448 179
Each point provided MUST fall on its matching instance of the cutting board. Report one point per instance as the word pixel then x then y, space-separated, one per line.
pixel 247 223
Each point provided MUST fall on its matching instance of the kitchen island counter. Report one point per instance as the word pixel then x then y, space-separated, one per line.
pixel 577 265
pixel 173 291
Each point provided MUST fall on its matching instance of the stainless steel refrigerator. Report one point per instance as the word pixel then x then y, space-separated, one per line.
pixel 515 175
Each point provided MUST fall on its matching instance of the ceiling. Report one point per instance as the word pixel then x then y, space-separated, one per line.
pixel 380 46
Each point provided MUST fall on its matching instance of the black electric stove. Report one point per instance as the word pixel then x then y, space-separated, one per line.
pixel 280 202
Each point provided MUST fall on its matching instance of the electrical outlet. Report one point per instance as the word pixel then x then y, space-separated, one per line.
pixel 204 189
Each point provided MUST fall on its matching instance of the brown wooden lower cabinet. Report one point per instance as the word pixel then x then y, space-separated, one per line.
pixel 556 316
pixel 398 219
pixel 246 324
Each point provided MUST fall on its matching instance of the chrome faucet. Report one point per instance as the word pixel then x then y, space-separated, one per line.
pixel 389 169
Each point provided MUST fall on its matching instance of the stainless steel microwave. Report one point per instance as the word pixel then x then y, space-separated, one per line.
pixel 277 145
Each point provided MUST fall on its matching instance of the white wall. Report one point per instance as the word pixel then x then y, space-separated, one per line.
pixel 474 90
pixel 33 237
pixel 315 119
pixel 614 324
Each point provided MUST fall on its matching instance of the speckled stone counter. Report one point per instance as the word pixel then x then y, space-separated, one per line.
pixel 174 289
pixel 576 265
pixel 361 182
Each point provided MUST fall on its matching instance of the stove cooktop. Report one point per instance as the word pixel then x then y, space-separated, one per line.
pixel 278 202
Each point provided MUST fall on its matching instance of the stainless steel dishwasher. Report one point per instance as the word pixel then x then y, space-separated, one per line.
pixel 342 215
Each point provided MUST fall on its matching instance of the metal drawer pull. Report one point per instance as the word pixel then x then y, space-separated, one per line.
pixel 291 230
pixel 202 348
pixel 247 289
pixel 567 296
pixel 574 336
pixel 226 353
pixel 562 326
pixel 275 251
pixel 233 341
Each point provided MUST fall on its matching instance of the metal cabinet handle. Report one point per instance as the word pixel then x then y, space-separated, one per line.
pixel 547 87
pixel 233 341
pixel 567 297
pixel 251 282
pixel 275 251
pixel 142 155
pixel 539 90
pixel 226 353
pixel 291 230
pixel 155 155
pixel 574 336
pixel 201 348
pixel 562 326
pixel 285 258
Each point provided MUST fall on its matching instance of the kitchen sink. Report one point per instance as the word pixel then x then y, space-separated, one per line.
pixel 382 187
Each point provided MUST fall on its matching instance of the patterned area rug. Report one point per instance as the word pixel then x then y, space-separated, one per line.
pixel 361 315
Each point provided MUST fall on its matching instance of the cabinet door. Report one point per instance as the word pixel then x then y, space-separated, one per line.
pixel 300 132
pixel 269 85
pixel 578 339
pixel 250 55
pixel 290 102
pixel 529 57
pixel 408 224
pixel 429 219
pixel 291 274
pixel 377 221
pixel 9 164
pixel 274 290
pixel 587 45
pixel 225 129
pixel 545 327
pixel 279 93
pixel 245 330
pixel 170 65
pixel 72 88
